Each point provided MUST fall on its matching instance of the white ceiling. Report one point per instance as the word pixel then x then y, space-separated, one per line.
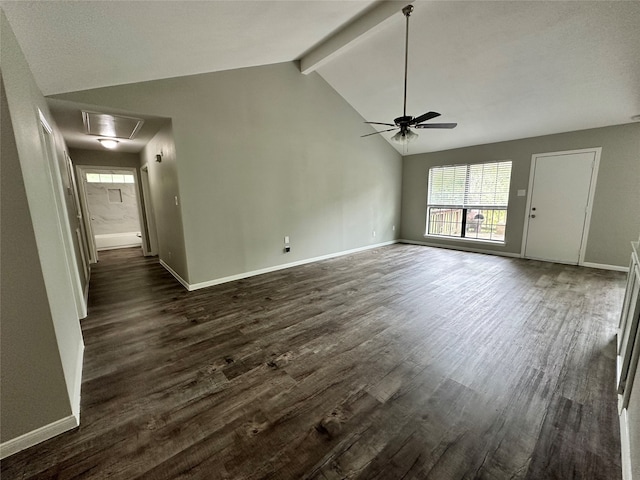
pixel 502 70
pixel 77 45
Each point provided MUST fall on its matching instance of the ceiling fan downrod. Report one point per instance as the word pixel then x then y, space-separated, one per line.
pixel 406 11
pixel 405 123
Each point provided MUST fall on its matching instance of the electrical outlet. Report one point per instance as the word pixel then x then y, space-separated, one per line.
pixel 393 229
pixel 374 233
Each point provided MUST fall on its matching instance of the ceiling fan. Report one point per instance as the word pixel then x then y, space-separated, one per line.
pixel 406 122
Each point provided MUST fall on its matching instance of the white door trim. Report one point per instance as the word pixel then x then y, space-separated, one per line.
pixel 48 142
pixel 82 173
pixel 80 234
pixel 150 213
pixel 91 240
pixel 592 189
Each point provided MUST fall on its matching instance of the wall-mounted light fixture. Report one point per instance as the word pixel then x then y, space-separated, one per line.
pixel 109 143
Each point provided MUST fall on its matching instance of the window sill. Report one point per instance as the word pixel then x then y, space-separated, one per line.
pixel 475 241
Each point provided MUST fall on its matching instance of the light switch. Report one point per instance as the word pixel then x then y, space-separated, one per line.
pixel 176 197
pixel 286 239
pixel 522 193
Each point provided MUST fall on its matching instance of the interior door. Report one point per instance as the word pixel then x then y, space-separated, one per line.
pixel 559 206
pixel 84 205
pixel 79 221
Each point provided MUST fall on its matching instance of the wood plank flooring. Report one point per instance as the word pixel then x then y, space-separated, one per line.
pixel 403 362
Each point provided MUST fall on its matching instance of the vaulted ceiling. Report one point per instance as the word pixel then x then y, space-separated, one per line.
pixel 502 70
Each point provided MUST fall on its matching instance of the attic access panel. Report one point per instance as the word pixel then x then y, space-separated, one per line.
pixel 106 125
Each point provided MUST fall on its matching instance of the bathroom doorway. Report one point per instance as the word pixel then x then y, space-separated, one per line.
pixel 110 197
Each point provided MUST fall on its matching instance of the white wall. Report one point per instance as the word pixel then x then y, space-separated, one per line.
pixel 109 216
pixel 262 153
pixel 633 422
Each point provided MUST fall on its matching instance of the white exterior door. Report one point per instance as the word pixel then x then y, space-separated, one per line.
pixel 559 205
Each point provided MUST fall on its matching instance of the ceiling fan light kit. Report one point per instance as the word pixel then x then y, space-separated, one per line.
pixel 406 122
pixel 404 137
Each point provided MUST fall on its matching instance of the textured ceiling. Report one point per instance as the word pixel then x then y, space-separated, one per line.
pixel 502 70
pixel 77 45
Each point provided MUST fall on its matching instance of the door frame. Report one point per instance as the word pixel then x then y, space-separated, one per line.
pixel 150 218
pixel 80 231
pixel 91 240
pixel 592 189
pixel 82 174
pixel 49 147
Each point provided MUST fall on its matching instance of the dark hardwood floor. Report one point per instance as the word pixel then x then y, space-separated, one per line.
pixel 403 362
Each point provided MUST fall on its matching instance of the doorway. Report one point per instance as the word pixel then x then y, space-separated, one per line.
pixel 110 196
pixel 561 188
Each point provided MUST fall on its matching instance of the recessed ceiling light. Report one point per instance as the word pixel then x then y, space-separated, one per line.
pixel 108 143
pixel 635 118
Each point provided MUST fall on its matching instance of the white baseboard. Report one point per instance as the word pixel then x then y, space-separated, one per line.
pixel 462 248
pixel 38 435
pixel 603 266
pixel 86 296
pixel 182 281
pixel 625 446
pixel 253 273
pixel 112 241
pixel 77 388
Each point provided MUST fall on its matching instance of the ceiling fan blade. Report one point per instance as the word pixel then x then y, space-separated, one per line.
pixel 378 123
pixel 436 125
pixel 375 133
pixel 424 117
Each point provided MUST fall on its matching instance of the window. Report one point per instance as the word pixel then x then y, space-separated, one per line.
pixel 469 201
pixel 109 178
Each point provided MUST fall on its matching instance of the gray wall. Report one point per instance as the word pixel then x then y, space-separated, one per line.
pixel 25 321
pixel 104 158
pixel 163 182
pixel 40 378
pixel 615 219
pixel 262 153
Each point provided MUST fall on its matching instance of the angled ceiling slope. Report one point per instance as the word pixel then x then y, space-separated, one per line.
pixel 502 70
pixel 80 45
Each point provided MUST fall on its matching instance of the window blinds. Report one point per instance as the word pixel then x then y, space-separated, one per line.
pixel 477 185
